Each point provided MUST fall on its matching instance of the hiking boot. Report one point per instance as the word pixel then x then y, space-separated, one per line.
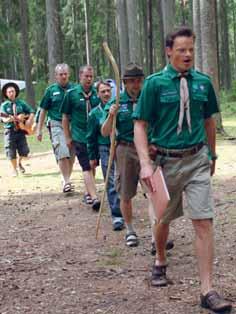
pixel 158 278
pixel 214 302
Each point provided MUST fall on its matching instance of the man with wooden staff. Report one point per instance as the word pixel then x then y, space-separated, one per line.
pixel 179 103
pixel 98 148
pixel 14 112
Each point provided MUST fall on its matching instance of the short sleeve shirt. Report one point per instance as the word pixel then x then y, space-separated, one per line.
pixel 159 105
pixel 124 120
pixel 74 104
pixel 53 99
pixel 21 107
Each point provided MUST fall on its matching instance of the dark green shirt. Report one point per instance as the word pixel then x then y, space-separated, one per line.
pixel 21 107
pixel 74 104
pixel 53 99
pixel 94 137
pixel 159 104
pixel 124 121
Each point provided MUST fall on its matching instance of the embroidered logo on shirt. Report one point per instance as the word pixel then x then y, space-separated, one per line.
pixel 56 93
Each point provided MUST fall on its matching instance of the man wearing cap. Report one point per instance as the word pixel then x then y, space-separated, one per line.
pixel 99 148
pixel 127 163
pixel 179 103
pixel 13 113
pixel 50 106
pixel 76 107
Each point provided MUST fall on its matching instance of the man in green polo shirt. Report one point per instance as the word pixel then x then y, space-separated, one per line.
pixel 50 106
pixel 76 106
pixel 179 103
pixel 99 148
pixel 127 163
pixel 13 111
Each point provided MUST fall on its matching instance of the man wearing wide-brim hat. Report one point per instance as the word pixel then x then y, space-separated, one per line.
pixel 13 111
pixel 127 163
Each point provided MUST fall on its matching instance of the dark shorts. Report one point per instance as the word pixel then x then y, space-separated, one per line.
pixel 15 142
pixel 82 155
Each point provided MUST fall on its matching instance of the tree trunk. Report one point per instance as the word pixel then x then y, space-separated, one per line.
pixel 225 71
pixel 54 36
pixel 133 30
pixel 168 16
pixel 122 26
pixel 197 30
pixel 87 35
pixel 150 37
pixel 25 52
pixel 162 54
pixel 209 47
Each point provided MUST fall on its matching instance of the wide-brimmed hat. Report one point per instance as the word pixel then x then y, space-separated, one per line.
pixel 10 84
pixel 132 70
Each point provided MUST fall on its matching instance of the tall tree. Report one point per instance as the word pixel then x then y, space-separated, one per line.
pixel 122 26
pixel 25 52
pixel 197 30
pixel 161 38
pixel 209 47
pixel 150 36
pixel 87 32
pixel 168 16
pixel 225 72
pixel 133 30
pixel 54 36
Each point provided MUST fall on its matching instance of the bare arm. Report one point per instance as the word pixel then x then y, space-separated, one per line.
pixel 107 125
pixel 42 116
pixel 210 127
pixel 66 128
pixel 141 143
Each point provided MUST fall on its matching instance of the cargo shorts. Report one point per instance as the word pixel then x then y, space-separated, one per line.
pixel 191 176
pixel 58 140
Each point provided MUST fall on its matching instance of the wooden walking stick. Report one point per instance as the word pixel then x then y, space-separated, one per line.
pixel 112 147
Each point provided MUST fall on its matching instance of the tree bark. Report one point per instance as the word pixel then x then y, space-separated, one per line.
pixel 197 30
pixel 133 30
pixel 54 36
pixel 30 96
pixel 122 26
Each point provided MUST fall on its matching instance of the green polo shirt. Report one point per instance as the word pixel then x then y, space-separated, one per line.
pixel 21 107
pixel 94 136
pixel 124 121
pixel 74 104
pixel 159 104
pixel 52 100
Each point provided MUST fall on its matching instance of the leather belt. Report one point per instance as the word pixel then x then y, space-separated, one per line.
pixel 179 153
pixel 130 144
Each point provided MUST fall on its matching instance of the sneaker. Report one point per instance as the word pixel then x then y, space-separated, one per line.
pixel 118 225
pixel 214 302
pixel 158 278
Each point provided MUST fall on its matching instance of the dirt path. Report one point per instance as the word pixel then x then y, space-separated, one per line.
pixel 50 261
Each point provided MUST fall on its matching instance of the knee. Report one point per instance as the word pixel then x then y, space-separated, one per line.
pixel 203 227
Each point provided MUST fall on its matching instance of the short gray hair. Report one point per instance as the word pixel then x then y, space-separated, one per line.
pixel 62 66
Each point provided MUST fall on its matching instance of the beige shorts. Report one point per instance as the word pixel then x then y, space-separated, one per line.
pixel 58 140
pixel 127 171
pixel 191 176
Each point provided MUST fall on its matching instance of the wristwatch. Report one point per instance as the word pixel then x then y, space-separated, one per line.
pixel 214 157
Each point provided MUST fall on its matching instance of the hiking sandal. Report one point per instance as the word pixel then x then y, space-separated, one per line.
pixel 213 301
pixel 67 188
pixel 96 204
pixel 131 239
pixel 87 199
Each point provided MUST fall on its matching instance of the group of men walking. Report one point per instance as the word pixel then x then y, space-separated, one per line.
pixel 172 115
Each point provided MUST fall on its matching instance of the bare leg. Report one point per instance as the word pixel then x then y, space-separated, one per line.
pixel 126 209
pixel 161 236
pixel 90 183
pixel 14 166
pixel 65 168
pixel 204 247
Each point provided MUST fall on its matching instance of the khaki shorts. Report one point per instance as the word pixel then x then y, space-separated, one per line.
pixel 127 171
pixel 190 175
pixel 58 140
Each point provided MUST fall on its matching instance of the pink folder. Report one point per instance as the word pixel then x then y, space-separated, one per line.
pixel 160 197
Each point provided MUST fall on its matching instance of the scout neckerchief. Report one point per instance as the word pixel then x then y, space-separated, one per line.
pixel 87 100
pixel 184 104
